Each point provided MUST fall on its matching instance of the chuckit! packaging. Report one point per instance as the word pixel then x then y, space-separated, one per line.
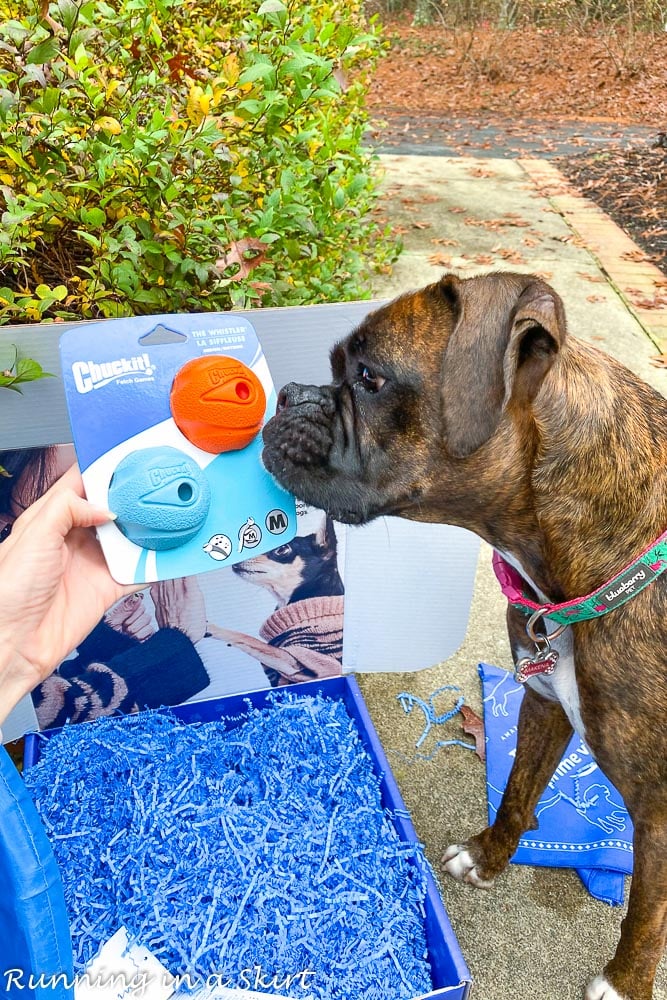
pixel 181 510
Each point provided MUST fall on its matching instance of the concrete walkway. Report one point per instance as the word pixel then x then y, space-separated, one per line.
pixel 537 934
pixel 490 135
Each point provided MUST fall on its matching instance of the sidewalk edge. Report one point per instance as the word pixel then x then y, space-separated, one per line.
pixel 641 285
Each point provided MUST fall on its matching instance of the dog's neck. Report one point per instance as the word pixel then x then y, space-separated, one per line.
pixel 589 524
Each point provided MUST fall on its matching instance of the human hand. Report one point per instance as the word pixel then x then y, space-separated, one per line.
pixel 180 604
pixel 131 617
pixel 54 586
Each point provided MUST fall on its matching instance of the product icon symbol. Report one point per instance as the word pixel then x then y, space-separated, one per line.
pixel 250 535
pixel 218 547
pixel 276 521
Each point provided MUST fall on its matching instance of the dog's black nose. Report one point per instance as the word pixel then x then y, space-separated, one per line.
pixel 294 394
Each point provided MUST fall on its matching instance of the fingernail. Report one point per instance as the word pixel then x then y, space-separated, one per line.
pixel 109 514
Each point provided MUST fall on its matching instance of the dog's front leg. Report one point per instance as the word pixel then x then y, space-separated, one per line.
pixel 631 972
pixel 543 734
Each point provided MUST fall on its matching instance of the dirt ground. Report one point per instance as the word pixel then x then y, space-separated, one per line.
pixel 517 77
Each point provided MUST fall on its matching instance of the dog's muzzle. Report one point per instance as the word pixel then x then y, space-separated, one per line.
pixel 311 453
pixel 301 433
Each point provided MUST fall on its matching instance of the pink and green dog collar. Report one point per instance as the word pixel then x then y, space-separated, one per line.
pixel 630 581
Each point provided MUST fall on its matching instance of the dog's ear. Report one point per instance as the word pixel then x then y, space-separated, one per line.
pixel 325 536
pixel 507 332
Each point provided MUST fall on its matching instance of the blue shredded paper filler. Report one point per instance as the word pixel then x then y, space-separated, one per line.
pixel 223 847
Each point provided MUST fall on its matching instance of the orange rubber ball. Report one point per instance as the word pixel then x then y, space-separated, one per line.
pixel 218 403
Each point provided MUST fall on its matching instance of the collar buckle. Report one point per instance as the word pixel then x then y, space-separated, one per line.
pixel 541 637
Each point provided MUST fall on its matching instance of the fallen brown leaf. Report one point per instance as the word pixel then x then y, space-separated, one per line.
pixel 237 255
pixel 657 302
pixel 636 255
pixel 598 278
pixel 474 726
pixel 512 256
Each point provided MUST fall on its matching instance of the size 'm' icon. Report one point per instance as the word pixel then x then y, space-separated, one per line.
pixel 276 521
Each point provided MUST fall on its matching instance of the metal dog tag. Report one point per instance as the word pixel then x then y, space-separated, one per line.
pixel 541 663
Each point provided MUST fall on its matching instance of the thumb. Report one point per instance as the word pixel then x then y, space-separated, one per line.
pixel 64 507
pixel 65 510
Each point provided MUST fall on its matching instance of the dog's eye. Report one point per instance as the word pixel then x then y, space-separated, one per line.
pixel 282 550
pixel 370 381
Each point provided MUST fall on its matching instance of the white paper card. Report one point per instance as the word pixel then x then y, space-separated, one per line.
pixel 123 971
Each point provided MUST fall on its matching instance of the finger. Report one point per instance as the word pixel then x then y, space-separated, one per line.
pixel 144 632
pixel 59 510
pixel 136 613
pixel 141 628
pixel 69 485
pixel 70 480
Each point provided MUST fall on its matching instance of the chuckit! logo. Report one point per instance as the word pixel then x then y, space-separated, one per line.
pixel 89 375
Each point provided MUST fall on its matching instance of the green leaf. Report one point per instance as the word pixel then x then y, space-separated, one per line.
pixel 45 52
pixel 8 383
pixel 28 370
pixel 15 157
pixel 94 217
pixel 68 11
pixel 339 198
pixel 7 101
pixel 50 100
pixel 81 59
pixel 88 238
pixel 272 7
pixel 252 106
pixel 145 228
pixel 260 71
pixel 147 296
pixel 14 30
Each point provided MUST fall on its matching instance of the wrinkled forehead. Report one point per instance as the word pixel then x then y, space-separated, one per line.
pixel 414 326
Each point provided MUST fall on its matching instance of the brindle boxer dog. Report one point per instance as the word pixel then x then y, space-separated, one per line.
pixel 466 403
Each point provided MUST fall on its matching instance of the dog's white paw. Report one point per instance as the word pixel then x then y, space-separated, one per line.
pixel 460 865
pixel 601 989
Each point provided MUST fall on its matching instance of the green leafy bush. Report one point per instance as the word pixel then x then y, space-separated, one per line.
pixel 184 155
pixel 17 370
